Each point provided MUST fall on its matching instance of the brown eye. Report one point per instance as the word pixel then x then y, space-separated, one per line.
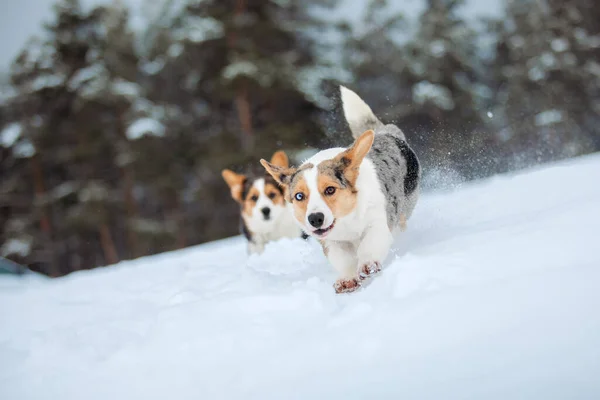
pixel 254 198
pixel 329 190
pixel 272 195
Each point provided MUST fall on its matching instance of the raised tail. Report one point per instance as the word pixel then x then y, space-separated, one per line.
pixel 359 115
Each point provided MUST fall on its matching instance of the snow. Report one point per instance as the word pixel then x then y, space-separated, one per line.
pixel 47 81
pixel 439 95
pixel 20 247
pixel 437 48
pixel 86 75
pixel 143 127
pixel 560 45
pixel 10 134
pixel 24 149
pixel 492 293
pixel 240 68
pixel 199 29
pixel 548 117
pixel 130 90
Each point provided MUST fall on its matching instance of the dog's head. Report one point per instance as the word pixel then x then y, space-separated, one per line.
pixel 323 189
pixel 261 199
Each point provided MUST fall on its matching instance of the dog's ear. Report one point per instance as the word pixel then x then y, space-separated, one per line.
pixel 282 175
pixel 280 159
pixel 349 160
pixel 235 183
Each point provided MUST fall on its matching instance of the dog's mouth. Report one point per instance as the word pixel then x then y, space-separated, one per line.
pixel 322 232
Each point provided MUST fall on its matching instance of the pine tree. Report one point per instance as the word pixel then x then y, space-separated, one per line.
pixel 75 101
pixel 548 74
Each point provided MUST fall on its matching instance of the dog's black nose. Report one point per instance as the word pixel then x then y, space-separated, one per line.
pixel 266 211
pixel 316 219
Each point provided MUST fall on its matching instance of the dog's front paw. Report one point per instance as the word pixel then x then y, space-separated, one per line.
pixel 369 269
pixel 346 285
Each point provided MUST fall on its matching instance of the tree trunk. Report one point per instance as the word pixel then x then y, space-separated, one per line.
pixel 132 211
pixel 242 103
pixel 108 245
pixel 40 190
pixel 45 225
pixel 131 205
pixel 244 116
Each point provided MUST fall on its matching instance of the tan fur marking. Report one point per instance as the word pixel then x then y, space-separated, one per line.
pixel 342 202
pixel 280 159
pixel 271 190
pixel 353 156
pixel 235 183
pixel 346 285
pixel 299 185
pixel 248 202
pixel 402 222
pixel 280 174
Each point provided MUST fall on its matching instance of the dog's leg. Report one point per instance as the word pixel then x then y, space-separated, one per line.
pixel 255 247
pixel 373 249
pixel 342 257
pixel 402 222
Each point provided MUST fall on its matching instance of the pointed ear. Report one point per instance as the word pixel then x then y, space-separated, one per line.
pixel 361 146
pixel 235 182
pixel 350 159
pixel 280 159
pixel 282 175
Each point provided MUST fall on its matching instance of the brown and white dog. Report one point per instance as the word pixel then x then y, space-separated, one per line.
pixel 265 216
pixel 352 199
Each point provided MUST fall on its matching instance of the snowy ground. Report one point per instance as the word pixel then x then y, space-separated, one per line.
pixel 493 293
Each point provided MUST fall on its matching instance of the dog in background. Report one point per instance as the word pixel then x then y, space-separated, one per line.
pixel 352 199
pixel 265 216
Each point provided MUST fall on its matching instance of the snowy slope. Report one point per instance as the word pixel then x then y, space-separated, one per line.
pixel 493 293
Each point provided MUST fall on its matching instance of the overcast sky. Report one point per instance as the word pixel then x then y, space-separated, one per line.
pixel 20 19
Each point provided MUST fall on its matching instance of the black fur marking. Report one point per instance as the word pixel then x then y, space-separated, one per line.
pixel 378 151
pixel 345 161
pixel 387 188
pixel 246 185
pixel 396 161
pixel 412 166
pixel 339 174
pixel 244 230
pixel 304 236
pixel 272 181
pixel 395 204
pixel 386 162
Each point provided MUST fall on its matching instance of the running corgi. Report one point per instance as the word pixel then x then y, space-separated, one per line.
pixel 352 199
pixel 265 216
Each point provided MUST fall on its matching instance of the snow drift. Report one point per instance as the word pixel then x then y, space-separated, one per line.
pixel 491 293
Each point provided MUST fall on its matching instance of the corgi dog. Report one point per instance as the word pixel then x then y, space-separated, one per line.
pixel 353 199
pixel 265 215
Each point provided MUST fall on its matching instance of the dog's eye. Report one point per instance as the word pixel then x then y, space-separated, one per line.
pixel 272 195
pixel 299 196
pixel 329 190
pixel 254 198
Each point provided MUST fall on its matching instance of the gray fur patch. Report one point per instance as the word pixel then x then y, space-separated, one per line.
pixel 398 171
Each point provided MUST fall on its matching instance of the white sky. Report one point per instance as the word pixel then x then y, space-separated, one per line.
pixel 19 19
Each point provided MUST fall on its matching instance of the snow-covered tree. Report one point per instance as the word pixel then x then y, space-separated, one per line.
pixel 548 79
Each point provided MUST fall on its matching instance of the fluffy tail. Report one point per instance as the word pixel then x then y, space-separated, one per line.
pixel 359 115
